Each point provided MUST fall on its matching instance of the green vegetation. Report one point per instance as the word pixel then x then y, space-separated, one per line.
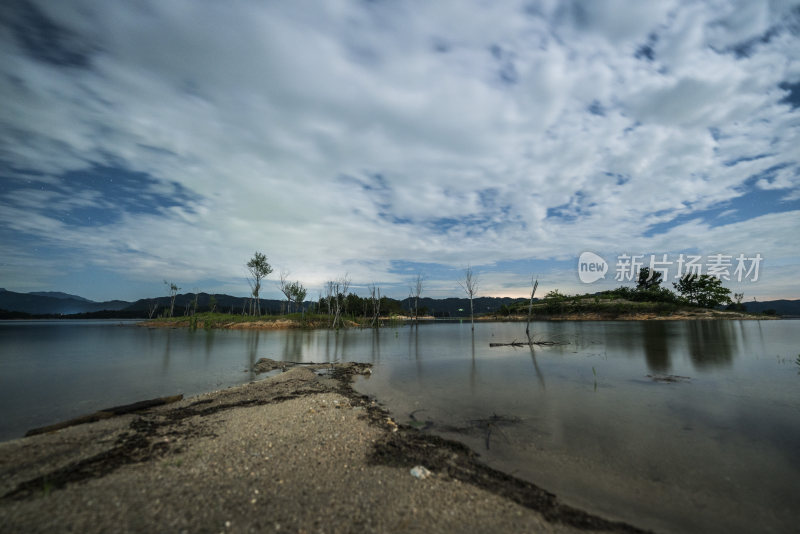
pixel 258 269
pixel 695 295
pixel 209 320
pixel 339 307
pixel 704 290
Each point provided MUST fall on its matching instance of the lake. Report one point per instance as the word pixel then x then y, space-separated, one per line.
pixel 671 425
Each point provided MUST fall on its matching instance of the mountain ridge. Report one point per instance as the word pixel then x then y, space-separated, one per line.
pixel 59 303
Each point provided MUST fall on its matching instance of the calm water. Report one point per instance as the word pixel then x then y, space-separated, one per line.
pixel 718 450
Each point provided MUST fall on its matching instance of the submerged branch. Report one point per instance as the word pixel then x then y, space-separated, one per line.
pixel 527 343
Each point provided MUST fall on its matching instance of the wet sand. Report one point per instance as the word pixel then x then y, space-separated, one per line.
pixel 297 452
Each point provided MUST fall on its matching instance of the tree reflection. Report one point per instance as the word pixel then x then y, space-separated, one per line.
pixel 655 340
pixel 209 343
pixel 711 343
pixel 167 349
pixel 539 374
pixel 413 349
pixel 292 346
pixel 473 374
pixel 252 351
pixel 376 345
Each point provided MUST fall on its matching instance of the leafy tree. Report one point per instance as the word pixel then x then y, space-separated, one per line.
pixel 703 290
pixel 655 294
pixel 258 269
pixel 648 279
pixel 297 294
pixel 555 295
pixel 553 301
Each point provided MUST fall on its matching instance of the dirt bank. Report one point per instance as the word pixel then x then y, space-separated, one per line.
pixel 268 324
pixel 298 452
pixel 683 315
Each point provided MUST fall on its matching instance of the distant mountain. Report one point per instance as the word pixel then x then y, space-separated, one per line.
pixel 58 303
pixel 224 303
pixel 58 295
pixel 781 307
pixel 38 304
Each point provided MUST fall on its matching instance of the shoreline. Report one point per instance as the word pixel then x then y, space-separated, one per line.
pixel 287 324
pixel 300 450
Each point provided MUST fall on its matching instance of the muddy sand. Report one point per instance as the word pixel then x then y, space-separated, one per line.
pixel 296 452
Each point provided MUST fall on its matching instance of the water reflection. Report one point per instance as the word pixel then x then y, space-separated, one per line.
pixel 209 343
pixel 704 454
pixel 473 373
pixel 711 343
pixel 252 338
pixel 413 349
pixel 167 347
pixel 655 342
pixel 539 374
pixel 732 437
pixel 376 345
pixel 293 346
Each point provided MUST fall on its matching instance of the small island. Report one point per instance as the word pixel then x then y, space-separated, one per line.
pixel 701 297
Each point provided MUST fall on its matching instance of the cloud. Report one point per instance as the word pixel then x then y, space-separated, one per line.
pixel 356 135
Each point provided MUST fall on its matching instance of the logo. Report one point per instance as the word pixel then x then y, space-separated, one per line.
pixel 591 267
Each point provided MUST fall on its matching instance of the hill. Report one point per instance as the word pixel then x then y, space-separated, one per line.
pixel 43 303
pixel 781 307
pixel 58 295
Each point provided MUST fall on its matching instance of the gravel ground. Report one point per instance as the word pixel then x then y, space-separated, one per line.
pixel 296 452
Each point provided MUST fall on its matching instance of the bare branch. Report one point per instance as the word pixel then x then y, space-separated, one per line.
pixel 469 283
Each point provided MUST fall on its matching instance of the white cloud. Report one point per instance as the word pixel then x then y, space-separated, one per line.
pixel 280 117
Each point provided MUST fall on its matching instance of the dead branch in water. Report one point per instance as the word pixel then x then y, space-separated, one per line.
pixel 530 307
pixel 526 343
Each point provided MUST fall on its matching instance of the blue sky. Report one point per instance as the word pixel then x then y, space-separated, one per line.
pixel 144 141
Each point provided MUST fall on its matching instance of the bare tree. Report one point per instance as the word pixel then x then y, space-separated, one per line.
pixel 173 292
pixel 259 269
pixel 535 284
pixel 416 291
pixel 329 288
pixel 339 289
pixel 375 298
pixel 469 283
pixel 151 308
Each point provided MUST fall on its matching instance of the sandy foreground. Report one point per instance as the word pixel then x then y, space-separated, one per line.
pixel 297 452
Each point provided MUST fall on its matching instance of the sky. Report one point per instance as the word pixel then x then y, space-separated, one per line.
pixel 170 140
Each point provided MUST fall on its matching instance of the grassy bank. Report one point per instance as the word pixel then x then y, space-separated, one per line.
pixel 608 308
pixel 209 320
pixel 567 309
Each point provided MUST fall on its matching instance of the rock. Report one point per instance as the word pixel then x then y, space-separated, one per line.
pixel 420 472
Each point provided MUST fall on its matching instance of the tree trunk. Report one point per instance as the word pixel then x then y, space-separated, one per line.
pixel 471 314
